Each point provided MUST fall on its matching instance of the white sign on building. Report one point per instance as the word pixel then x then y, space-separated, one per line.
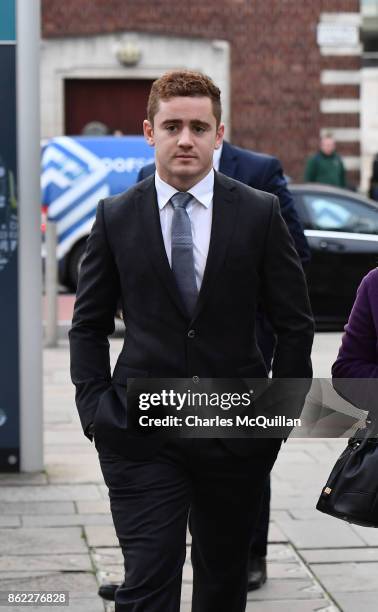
pixel 337 35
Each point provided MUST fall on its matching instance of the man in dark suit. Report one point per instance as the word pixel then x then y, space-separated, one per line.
pixel 192 254
pixel 263 172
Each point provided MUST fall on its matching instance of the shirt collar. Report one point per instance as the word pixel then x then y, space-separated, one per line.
pixel 217 156
pixel 202 191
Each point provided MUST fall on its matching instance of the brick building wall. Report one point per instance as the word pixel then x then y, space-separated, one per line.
pixel 276 63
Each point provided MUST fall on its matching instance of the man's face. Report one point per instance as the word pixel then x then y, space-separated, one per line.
pixel 327 145
pixel 184 134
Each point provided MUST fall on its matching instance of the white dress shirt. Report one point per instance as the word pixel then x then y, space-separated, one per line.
pixel 200 212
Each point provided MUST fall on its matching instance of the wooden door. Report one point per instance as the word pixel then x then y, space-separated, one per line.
pixel 118 103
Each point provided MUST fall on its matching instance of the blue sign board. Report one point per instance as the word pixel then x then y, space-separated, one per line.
pixel 9 355
pixel 77 172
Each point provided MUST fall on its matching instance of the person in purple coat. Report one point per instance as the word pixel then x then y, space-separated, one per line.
pixel 358 354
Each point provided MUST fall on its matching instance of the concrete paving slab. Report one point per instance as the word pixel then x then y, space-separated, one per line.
pixel 347 577
pixel 292 571
pixel 294 488
pixel 350 602
pixel 38 478
pixel 72 474
pixel 276 515
pixel 276 534
pixel 50 493
pixel 60 376
pixel 281 553
pixel 324 352
pixel 47 540
pixel 61 562
pixel 93 507
pixel 107 556
pixel 93 604
pixel 315 605
pixel 111 573
pixel 313 534
pixel 368 534
pixel 59 437
pixel 80 585
pixel 84 447
pixel 309 514
pixel 339 555
pixel 10 521
pixel 64 520
pixel 292 455
pixel 187 572
pixel 57 416
pixel 38 507
pixel 101 536
pixel 286 589
pixel 71 459
pixel 314 473
pixel 186 593
pixel 81 605
pixel 285 501
pixel 72 426
pixel 103 491
pixel 314 447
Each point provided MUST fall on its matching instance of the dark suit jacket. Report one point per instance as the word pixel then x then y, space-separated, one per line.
pixel 251 257
pixel 263 172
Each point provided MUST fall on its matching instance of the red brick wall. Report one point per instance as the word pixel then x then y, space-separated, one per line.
pixel 275 59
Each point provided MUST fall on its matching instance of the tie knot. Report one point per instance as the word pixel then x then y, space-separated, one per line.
pixel 181 199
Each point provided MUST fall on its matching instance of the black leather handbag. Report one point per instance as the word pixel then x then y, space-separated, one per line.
pixel 351 492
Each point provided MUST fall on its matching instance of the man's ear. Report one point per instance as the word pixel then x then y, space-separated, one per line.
pixel 148 132
pixel 219 136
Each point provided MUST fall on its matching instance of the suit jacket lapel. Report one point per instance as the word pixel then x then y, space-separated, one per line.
pixel 147 208
pixel 225 208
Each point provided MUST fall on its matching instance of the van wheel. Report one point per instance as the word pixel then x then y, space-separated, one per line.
pixel 74 265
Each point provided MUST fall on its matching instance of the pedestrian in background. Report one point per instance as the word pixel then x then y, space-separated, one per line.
pixel 358 354
pixel 355 370
pixel 326 166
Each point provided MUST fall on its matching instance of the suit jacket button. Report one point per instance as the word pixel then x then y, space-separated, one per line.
pixel 195 379
pixel 191 333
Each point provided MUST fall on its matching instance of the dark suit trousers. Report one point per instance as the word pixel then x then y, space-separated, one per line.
pixel 259 542
pixel 150 503
pixel 266 341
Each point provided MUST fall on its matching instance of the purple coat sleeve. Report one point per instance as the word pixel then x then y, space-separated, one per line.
pixel 358 354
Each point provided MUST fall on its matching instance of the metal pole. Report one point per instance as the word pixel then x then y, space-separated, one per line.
pixel 51 286
pixel 30 268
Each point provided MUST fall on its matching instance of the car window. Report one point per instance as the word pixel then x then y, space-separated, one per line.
pixel 339 214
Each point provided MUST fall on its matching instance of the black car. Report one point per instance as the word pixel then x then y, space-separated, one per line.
pixel 342 230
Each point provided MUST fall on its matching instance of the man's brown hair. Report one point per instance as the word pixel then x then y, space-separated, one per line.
pixel 183 83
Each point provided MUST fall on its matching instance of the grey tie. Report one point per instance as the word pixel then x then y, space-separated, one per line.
pixel 182 251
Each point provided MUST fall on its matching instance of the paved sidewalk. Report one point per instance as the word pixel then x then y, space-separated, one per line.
pixel 56 531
